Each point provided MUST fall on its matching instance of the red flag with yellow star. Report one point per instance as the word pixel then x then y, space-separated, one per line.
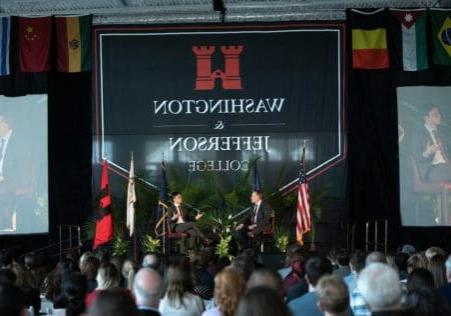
pixel 34 43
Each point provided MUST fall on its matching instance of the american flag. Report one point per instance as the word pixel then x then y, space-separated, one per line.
pixel 303 220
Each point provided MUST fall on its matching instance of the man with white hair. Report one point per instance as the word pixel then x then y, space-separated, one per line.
pixel 380 287
pixel 147 289
pixel 446 290
pixel 151 260
pixel 358 305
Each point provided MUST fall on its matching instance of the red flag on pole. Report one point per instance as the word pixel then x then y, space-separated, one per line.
pixel 303 220
pixel 104 225
pixel 34 43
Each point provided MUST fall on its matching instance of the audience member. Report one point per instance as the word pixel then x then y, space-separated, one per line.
pixel 420 278
pixel 356 264
pixel 342 260
pixel 230 286
pixel 116 301
pixel 178 300
pixel 262 301
pixel 434 251
pixel 12 302
pixel 294 284
pixel 380 287
pixel 73 292
pixel 151 260
pixel 417 260
pixel 147 289
pixel 333 296
pixel 438 270
pixel 287 264
pixel 89 266
pixel 446 290
pixel 107 278
pixel 268 278
pixel 425 302
pixel 306 305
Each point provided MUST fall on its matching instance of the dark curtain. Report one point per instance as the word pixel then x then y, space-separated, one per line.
pixel 373 143
pixel 69 145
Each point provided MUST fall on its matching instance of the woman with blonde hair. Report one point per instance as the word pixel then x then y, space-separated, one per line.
pixel 415 261
pixel 230 286
pixel 107 278
pixel 178 299
pixel 128 273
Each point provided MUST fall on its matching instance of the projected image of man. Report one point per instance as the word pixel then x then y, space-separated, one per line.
pixel 15 178
pixel 431 148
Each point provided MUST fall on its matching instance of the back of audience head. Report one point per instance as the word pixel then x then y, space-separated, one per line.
pixel 380 287
pixel 434 251
pixel 425 302
pixel 147 287
pixel 245 264
pixel 89 267
pixel 315 268
pixel 107 276
pixel 230 286
pixel 11 300
pixel 375 256
pixel 401 261
pixel 151 260
pixel 333 296
pixel 268 278
pixel 417 260
pixel 357 262
pixel 438 270
pixel 178 283
pixel 342 257
pixel 73 291
pixel 6 258
pixel 117 302
pixel 420 278
pixel 262 301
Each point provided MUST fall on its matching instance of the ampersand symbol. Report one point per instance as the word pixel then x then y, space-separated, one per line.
pixel 219 125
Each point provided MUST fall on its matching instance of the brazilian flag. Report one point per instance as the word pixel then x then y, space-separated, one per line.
pixel 441 34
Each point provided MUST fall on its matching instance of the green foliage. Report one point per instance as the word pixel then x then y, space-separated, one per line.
pixel 282 239
pixel 150 244
pixel 120 246
pixel 223 248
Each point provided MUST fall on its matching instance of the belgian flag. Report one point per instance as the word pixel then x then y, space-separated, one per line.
pixel 73 35
pixel 104 224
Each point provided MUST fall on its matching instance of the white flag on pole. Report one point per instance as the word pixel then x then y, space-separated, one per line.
pixel 131 198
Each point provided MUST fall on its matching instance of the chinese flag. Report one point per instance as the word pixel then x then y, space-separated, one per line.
pixel 34 43
pixel 104 224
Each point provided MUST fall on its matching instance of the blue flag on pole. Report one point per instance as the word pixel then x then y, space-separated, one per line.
pixel 5 32
pixel 256 182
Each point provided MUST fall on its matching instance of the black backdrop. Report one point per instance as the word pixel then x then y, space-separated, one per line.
pixel 373 149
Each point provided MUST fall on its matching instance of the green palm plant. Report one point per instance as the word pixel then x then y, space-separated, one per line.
pixel 150 244
pixel 120 246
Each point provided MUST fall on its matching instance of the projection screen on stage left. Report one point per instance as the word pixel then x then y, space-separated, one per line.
pixel 23 165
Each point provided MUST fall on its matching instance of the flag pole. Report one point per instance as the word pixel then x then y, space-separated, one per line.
pixel 135 252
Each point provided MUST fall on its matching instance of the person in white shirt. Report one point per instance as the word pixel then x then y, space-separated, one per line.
pixel 178 300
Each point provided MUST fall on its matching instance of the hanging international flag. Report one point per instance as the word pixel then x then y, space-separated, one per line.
pixel 413 38
pixel 131 198
pixel 369 40
pixel 104 224
pixel 303 219
pixel 441 35
pixel 34 43
pixel 5 36
pixel 73 36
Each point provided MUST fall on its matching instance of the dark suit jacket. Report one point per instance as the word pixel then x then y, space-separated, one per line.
pixel 173 210
pixel 419 144
pixel 263 217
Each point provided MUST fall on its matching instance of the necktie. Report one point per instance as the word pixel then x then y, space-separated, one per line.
pixel 255 214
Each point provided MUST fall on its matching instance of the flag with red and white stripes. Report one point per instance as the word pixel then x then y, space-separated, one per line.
pixel 303 220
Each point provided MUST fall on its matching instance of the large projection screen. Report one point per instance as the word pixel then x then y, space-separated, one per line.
pixel 23 165
pixel 424 132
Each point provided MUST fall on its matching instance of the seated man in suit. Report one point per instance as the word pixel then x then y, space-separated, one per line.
pixel 257 221
pixel 430 148
pixel 181 222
